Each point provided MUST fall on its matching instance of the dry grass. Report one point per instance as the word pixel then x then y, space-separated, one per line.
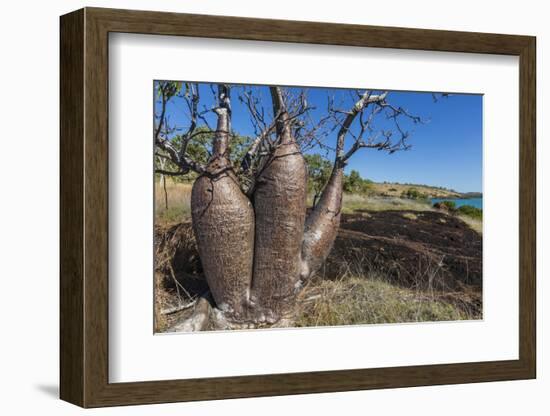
pixel 179 202
pixel 396 189
pixel 178 276
pixel 353 203
pixel 474 223
pixel 357 292
pixel 371 300
pixel 410 216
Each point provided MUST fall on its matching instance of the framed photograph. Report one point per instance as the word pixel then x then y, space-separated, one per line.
pixel 257 207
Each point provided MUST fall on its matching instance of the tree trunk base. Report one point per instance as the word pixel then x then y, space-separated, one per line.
pixel 198 320
pixel 206 317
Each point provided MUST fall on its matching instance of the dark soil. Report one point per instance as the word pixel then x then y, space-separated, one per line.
pixel 428 250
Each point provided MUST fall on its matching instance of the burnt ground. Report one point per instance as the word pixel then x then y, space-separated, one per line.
pixel 427 251
pixel 413 249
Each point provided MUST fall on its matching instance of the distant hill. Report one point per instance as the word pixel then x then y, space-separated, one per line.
pixel 472 195
pixel 398 189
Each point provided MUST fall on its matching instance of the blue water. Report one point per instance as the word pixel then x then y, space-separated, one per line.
pixel 475 202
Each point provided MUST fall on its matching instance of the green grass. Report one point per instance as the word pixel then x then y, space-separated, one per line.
pixel 464 210
pixel 470 211
pixel 173 215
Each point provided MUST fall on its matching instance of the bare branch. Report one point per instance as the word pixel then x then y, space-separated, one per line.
pixel 178 308
pixel 170 173
pixel 246 163
pixel 192 101
pixel 255 110
pixel 292 107
pixel 164 99
pixel 184 162
pixel 162 142
pixel 365 99
pixel 397 111
pixel 167 146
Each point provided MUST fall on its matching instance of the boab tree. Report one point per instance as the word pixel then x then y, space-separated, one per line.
pixel 257 243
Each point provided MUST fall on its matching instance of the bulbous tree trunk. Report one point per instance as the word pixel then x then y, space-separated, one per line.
pixel 279 205
pixel 322 224
pixel 223 223
pixel 256 257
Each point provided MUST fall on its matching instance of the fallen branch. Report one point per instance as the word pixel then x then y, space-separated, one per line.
pixel 179 308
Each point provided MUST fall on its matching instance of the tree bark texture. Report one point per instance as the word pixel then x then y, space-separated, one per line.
pixel 280 205
pixel 223 223
pixel 322 225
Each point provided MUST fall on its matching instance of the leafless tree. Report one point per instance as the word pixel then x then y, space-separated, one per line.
pixel 256 244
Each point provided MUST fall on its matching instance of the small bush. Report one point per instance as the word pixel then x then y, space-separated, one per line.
pixel 450 205
pixel 355 184
pixel 470 211
pixel 413 193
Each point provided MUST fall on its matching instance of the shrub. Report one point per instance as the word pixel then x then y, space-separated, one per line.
pixel 450 205
pixel 470 211
pixel 413 193
pixel 355 184
pixel 318 170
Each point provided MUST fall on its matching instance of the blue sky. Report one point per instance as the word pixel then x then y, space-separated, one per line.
pixel 446 148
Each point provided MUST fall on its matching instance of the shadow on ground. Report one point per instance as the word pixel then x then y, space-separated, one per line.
pixel 51 390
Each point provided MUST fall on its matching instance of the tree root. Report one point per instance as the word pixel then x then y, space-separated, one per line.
pixel 206 316
pixel 198 319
